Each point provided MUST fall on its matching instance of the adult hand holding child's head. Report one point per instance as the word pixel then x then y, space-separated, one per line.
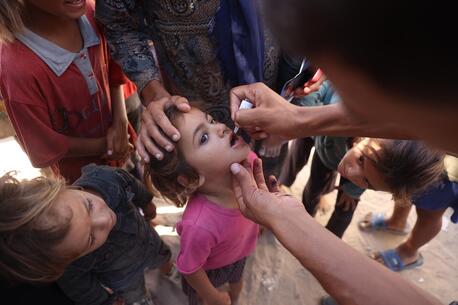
pixel 271 114
pixel 254 198
pixel 157 133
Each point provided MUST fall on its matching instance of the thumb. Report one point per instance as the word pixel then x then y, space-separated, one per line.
pixel 244 185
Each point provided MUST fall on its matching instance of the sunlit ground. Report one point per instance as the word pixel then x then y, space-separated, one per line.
pixel 13 158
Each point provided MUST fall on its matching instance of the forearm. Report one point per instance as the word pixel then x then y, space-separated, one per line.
pixel 126 34
pixel 154 90
pixel 348 276
pixel 333 120
pixel 86 147
pixel 201 284
pixel 118 105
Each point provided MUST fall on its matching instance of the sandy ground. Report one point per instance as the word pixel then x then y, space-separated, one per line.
pixel 272 275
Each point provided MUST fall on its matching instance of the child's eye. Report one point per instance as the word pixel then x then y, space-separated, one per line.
pixel 361 159
pixel 204 138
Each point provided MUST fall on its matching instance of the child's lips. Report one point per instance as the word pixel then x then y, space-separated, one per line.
pixel 234 140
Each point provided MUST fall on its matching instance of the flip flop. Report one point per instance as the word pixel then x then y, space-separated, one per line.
pixel 393 261
pixel 377 223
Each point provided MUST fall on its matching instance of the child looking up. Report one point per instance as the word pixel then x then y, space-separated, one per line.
pixel 414 174
pixel 215 237
pixel 89 236
pixel 61 90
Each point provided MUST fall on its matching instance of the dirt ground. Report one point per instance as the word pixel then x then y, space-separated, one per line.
pixel 272 275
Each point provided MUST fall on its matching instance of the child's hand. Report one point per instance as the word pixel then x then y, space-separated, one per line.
pixel 118 146
pixel 347 203
pixel 221 298
pixel 149 211
pixel 310 86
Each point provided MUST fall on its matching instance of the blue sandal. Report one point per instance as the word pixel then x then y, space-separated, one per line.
pixel 393 261
pixel 377 223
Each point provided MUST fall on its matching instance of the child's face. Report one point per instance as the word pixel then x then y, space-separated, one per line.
pixel 208 146
pixel 66 9
pixel 91 220
pixel 358 165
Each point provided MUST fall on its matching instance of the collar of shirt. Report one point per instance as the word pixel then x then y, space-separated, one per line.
pixel 57 58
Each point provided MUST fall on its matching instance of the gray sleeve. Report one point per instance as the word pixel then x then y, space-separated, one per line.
pixel 127 35
pixel 83 288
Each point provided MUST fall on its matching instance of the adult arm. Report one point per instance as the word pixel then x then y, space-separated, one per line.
pixel 128 37
pixel 273 115
pixel 347 275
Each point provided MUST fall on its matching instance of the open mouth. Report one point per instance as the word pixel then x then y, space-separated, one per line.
pixel 76 3
pixel 233 139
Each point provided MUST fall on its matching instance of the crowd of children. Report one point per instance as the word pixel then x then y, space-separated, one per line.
pixel 87 229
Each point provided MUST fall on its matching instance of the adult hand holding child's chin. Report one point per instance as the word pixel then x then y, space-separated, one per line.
pixel 262 204
pixel 156 130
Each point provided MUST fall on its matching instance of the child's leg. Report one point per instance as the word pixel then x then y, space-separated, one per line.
pixel 321 182
pixel 398 219
pixel 427 226
pixel 234 291
pixel 340 218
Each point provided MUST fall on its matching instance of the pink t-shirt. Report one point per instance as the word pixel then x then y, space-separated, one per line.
pixel 212 236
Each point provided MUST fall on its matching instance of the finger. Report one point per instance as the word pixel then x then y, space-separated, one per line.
pixel 245 180
pixel 259 174
pixel 142 150
pixel 250 118
pixel 155 133
pixel 150 146
pixel 181 103
pixel 259 135
pixel 236 96
pixel 110 145
pixel 318 75
pixel 238 195
pixel 163 122
pixel 299 92
pixel 273 184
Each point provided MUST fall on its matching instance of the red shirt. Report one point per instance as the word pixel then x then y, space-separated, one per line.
pixel 47 103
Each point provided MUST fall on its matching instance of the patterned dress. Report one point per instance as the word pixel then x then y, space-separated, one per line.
pixel 182 34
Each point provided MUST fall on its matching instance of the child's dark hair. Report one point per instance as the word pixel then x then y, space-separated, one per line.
pixel 161 176
pixel 30 229
pixel 408 166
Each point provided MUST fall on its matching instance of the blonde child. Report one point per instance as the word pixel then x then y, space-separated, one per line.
pixel 88 237
pixel 62 92
pixel 215 237
pixel 414 174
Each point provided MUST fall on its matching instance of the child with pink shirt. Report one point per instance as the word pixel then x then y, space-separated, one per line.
pixel 215 237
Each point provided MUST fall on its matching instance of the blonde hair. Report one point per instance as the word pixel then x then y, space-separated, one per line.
pixel 10 19
pixel 30 229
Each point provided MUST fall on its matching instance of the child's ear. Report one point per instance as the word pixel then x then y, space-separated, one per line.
pixel 184 181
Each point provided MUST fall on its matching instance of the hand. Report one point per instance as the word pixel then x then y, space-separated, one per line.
pixel 272 115
pixel 347 203
pixel 118 146
pixel 119 301
pixel 254 199
pixel 156 130
pixel 310 86
pixel 220 298
pixel 149 211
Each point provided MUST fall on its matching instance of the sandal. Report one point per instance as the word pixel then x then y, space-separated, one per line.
pixel 393 261
pixel 376 222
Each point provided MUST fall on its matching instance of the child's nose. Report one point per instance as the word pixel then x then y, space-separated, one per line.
pixel 221 129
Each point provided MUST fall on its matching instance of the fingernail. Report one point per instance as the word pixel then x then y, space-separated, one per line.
pixel 158 156
pixel 175 137
pixel 235 168
pixel 109 152
pixel 168 147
